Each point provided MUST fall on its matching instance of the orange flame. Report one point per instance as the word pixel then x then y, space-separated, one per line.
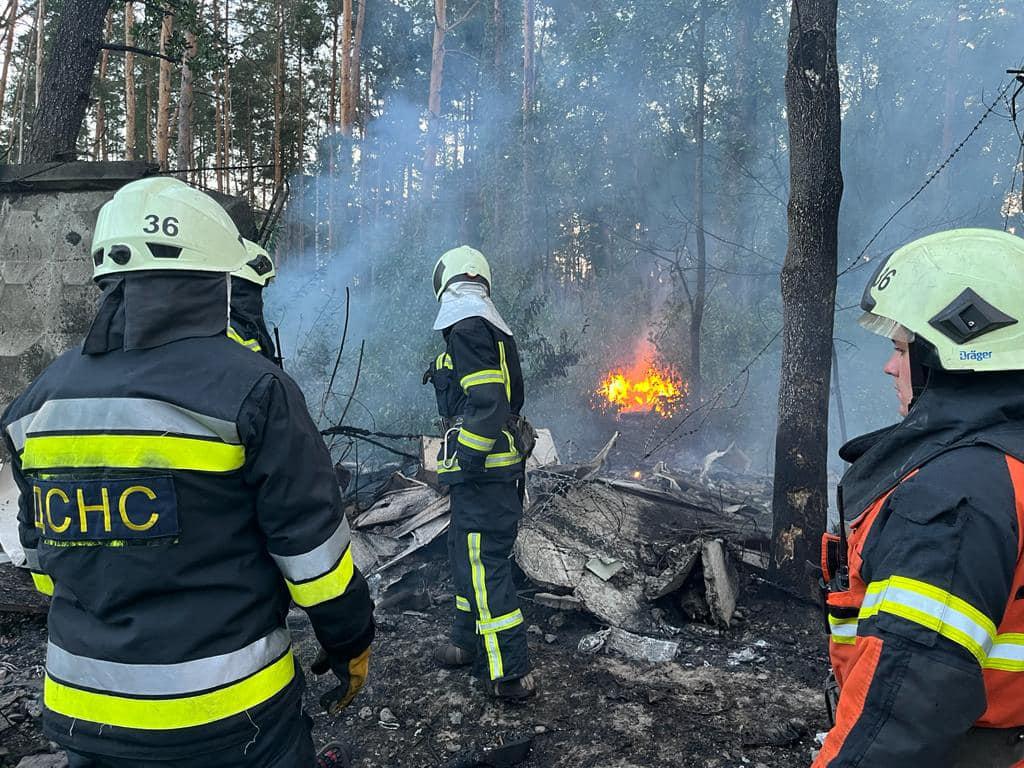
pixel 642 387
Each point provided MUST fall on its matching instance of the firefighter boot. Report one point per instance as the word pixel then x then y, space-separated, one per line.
pixel 517 689
pixel 334 755
pixel 450 655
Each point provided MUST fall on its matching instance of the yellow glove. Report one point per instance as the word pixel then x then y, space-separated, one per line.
pixel 351 674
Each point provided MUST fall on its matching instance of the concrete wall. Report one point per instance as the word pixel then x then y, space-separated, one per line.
pixel 47 297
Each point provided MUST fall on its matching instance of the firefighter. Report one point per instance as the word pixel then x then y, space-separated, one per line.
pixel 175 497
pixel 479 386
pixel 925 579
pixel 248 326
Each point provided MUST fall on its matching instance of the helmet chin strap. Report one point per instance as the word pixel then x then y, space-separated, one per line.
pixel 919 371
pixel 227 276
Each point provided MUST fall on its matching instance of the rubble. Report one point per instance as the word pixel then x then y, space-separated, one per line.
pixel 624 547
pixel 639 648
pixel 721 583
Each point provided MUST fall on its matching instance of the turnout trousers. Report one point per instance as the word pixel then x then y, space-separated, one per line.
pixel 286 744
pixel 488 622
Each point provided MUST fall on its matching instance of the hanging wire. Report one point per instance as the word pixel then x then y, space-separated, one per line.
pixel 857 262
pixel 709 405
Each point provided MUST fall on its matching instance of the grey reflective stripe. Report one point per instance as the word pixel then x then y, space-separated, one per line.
pixel 16 430
pixel 32 559
pixel 187 677
pixel 317 561
pixel 122 414
pixel 1004 651
pixel 945 615
pixel 843 627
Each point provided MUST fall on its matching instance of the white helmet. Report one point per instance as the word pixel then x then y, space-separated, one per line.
pixel 460 262
pixel 161 223
pixel 259 269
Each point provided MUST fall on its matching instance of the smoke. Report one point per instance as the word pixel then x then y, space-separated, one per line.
pixel 588 212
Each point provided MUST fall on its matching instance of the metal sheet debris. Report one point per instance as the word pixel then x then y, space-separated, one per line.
pixel 9 540
pixel 605 567
pixel 640 648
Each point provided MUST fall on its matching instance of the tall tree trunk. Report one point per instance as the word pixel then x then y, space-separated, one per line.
pixel 529 48
pixel 357 49
pixel 279 97
pixel 163 107
pixel 332 99
pixel 498 22
pixel 227 111
pixel 218 108
pixel 149 120
pixel 129 81
pixel 699 295
pixel 434 98
pixel 346 68
pixel 67 81
pixel 18 118
pixel 186 101
pixel 951 69
pixel 40 29
pixel 249 152
pixel 8 46
pixel 99 149
pixel 800 501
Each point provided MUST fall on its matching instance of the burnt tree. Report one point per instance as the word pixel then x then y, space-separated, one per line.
pixel 800 501
pixel 67 81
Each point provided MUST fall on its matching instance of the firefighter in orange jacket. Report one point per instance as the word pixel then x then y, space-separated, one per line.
pixel 925 579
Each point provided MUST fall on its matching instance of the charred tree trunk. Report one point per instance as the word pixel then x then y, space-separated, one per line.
pixel 99 150
pixel 698 298
pixel 8 46
pixel 185 105
pixel 800 501
pixel 163 107
pixel 434 100
pixel 129 82
pixel 67 81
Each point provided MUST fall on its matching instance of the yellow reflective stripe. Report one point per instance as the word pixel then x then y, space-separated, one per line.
pixel 167 714
pixel 475 441
pixel 252 344
pixel 500 623
pixel 843 631
pixel 327 587
pixel 490 376
pixel 131 451
pixel 462 604
pixel 504 371
pixel 933 608
pixel 43 583
pixel 479 577
pixel 444 360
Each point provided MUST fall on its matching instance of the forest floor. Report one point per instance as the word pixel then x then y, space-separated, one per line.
pixel 746 696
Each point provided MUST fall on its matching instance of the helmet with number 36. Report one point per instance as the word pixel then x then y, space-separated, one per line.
pixel 162 223
pixel 961 292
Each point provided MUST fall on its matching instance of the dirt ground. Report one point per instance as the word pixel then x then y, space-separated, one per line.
pixel 747 696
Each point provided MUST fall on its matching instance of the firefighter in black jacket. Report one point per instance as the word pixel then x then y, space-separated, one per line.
pixel 175 498
pixel 248 326
pixel 925 578
pixel 479 387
